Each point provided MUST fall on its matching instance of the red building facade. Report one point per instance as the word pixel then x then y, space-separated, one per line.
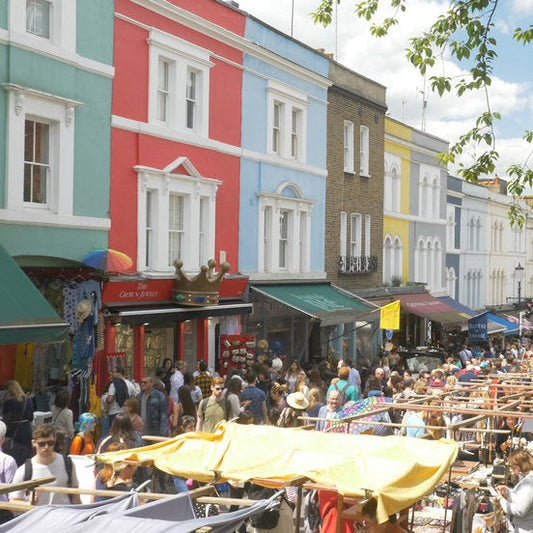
pixel 175 147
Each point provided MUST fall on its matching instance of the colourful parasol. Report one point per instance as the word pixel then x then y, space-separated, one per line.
pixel 109 260
pixel 366 405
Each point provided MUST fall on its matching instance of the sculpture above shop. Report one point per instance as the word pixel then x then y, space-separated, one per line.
pixel 200 290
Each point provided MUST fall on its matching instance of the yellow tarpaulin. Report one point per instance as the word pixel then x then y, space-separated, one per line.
pixel 399 470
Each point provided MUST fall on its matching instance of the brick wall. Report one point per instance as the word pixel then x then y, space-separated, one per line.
pixel 350 192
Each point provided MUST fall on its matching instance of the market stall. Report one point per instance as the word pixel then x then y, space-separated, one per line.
pixel 397 471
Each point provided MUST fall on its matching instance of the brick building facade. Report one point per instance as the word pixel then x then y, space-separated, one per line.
pixel 354 191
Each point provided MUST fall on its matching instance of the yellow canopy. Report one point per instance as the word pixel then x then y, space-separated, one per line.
pixel 398 470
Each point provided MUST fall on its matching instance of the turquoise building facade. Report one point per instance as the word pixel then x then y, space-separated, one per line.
pixel 56 74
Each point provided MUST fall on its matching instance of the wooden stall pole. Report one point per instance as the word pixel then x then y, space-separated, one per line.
pixel 298 509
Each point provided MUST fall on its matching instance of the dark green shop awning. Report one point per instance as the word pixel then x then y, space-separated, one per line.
pixel 25 315
pixel 322 302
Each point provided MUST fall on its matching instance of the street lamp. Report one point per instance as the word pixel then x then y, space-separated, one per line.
pixel 519 274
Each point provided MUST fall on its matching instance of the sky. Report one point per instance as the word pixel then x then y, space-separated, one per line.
pixel 384 60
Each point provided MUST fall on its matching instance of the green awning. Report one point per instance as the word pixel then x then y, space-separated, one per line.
pixel 322 302
pixel 25 315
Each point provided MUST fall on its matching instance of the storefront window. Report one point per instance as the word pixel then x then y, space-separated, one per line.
pixel 158 345
pixel 124 344
pixel 189 345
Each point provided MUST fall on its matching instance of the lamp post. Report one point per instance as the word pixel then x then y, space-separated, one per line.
pixel 519 274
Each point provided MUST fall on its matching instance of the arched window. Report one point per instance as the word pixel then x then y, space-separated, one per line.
pixel 285 230
pixel 451 279
pixel 450 230
pixel 398 257
pixel 388 259
pixel 435 199
pixel 420 261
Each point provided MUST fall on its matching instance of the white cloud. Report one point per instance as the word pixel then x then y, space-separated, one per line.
pixel 524 7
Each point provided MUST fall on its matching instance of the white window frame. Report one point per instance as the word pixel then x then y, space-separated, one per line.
pixel 183 58
pixel 62 28
pixel 35 4
pixel 288 100
pixel 397 257
pixel 36 165
pixel 298 210
pixel 343 234
pixel 277 126
pixel 450 228
pixel 180 178
pixel 348 147
pixel 392 183
pixel 356 234
pixel 177 199
pixel 392 257
pixel 368 236
pixel 25 103
pixel 364 151
pixel 165 89
pixel 388 252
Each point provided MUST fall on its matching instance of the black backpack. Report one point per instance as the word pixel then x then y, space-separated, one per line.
pixel 342 393
pixel 28 470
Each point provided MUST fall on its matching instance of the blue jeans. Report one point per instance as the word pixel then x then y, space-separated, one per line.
pixel 181 484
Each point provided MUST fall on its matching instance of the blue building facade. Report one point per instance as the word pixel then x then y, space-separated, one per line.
pixel 283 166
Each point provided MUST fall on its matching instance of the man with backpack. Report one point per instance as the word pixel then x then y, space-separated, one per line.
pixel 46 463
pixel 213 409
pixel 347 392
pixel 119 391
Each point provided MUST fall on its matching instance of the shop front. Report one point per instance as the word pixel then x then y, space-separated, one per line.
pixel 425 320
pixel 143 326
pixel 311 320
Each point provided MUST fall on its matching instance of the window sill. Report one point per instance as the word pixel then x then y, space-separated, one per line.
pixel 350 172
pixel 40 217
pixel 362 175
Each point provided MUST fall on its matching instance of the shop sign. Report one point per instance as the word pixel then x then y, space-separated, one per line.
pixel 477 328
pixel 160 290
pixel 152 290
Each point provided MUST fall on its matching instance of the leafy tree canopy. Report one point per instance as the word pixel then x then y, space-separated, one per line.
pixel 465 32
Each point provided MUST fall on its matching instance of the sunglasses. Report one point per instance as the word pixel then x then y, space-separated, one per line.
pixel 218 388
pixel 43 443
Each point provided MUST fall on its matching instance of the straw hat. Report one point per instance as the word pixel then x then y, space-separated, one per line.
pixel 262 345
pixel 297 400
pixel 83 310
pixel 277 364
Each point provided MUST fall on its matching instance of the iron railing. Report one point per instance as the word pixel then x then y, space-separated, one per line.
pixel 362 264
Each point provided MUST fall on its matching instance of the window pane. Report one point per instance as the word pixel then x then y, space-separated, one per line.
pixel 38 17
pixel 149 228
pixel 191 98
pixel 175 228
pixel 36 162
pixel 163 90
pixel 276 128
pixel 267 232
pixel 283 239
pixel 295 131
pixel 204 213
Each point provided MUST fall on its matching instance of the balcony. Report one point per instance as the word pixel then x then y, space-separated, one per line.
pixel 362 264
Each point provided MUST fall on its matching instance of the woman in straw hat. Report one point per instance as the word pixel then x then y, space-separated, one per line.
pixel 297 404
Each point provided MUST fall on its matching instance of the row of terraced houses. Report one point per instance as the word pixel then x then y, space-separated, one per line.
pixel 170 129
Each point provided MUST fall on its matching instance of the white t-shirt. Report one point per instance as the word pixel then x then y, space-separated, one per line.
pixel 176 381
pixel 114 407
pixel 56 469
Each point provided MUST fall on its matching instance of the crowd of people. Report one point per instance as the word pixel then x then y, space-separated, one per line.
pixel 277 391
